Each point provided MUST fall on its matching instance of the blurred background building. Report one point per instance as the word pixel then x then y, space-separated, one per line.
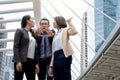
pixel 2 45
pixel 9 66
pixel 104 25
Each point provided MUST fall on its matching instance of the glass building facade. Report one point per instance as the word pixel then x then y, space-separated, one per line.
pixel 9 67
pixel 2 54
pixel 104 25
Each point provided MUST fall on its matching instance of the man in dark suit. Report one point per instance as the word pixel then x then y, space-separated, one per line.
pixel 44 47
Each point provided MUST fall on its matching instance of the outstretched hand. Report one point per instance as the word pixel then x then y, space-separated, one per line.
pixel 68 20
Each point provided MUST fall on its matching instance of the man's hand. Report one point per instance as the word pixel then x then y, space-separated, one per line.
pixel 39 31
pixel 48 31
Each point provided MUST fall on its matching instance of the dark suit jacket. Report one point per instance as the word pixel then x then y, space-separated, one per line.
pixel 21 44
pixel 39 39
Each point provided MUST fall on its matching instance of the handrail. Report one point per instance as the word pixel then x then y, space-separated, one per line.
pixel 16 10
pixel 10 20
pixel 5 49
pixel 13 1
pixel 7 30
pixel 6 40
pixel 114 36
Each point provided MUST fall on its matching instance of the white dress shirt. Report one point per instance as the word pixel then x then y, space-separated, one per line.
pixel 57 43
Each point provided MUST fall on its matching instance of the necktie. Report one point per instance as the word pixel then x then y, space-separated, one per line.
pixel 45 46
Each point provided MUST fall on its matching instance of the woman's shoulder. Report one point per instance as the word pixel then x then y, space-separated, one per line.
pixel 19 30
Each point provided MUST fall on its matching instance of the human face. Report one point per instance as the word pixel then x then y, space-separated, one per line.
pixel 55 24
pixel 31 22
pixel 44 23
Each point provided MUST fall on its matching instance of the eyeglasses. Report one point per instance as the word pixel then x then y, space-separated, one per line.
pixel 44 24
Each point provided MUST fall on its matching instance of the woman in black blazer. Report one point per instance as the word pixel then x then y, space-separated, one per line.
pixel 24 49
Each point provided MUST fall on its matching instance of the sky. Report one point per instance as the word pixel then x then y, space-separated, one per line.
pixel 78 6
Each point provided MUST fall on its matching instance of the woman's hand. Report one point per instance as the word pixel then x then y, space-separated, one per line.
pixel 68 20
pixel 50 71
pixel 19 66
pixel 37 69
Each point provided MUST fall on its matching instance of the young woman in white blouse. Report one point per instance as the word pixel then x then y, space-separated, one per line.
pixel 61 49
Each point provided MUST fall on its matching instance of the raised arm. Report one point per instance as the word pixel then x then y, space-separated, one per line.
pixel 71 28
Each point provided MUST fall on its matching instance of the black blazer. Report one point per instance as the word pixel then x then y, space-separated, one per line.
pixel 21 44
pixel 39 39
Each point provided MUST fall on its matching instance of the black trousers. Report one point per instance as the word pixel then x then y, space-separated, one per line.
pixel 44 66
pixel 62 66
pixel 28 68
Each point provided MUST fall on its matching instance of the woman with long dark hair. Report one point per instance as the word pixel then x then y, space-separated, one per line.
pixel 24 49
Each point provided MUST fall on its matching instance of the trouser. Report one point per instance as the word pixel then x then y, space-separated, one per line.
pixel 62 66
pixel 28 68
pixel 44 66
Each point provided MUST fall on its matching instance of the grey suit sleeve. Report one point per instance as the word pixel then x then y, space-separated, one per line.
pixel 16 47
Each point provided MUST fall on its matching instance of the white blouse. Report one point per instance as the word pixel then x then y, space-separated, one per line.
pixel 31 48
pixel 57 41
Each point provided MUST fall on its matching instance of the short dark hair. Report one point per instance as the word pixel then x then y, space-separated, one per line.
pixel 46 20
pixel 61 22
pixel 24 20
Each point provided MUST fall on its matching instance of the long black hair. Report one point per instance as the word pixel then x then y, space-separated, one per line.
pixel 24 20
pixel 24 23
